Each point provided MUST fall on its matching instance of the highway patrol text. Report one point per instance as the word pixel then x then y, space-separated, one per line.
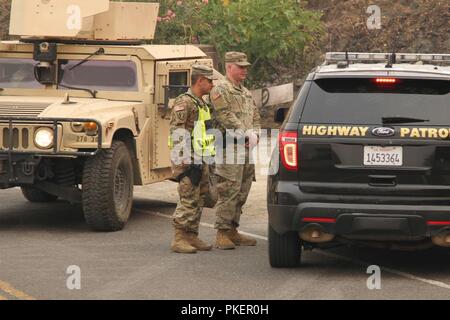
pixel 357 131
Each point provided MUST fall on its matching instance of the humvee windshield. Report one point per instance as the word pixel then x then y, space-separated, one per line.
pixel 18 73
pixel 96 75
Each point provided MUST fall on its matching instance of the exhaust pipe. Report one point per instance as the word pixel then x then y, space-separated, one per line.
pixel 315 234
pixel 442 239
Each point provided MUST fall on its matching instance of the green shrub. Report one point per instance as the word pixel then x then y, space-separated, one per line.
pixel 276 35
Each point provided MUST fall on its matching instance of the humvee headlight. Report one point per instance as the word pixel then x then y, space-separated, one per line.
pixel 91 128
pixel 77 126
pixel 43 138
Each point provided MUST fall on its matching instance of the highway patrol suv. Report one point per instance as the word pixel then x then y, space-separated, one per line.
pixel 364 157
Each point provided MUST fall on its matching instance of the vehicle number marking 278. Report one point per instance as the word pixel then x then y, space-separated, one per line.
pixel 87 139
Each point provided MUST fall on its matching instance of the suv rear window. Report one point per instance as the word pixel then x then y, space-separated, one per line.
pixel 364 101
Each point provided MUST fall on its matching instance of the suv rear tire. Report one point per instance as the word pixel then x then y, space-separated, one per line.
pixel 36 195
pixel 107 194
pixel 285 250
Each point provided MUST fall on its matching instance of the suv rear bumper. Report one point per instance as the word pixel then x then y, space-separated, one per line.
pixel 363 222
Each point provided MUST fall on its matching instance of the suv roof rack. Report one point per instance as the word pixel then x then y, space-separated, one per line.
pixel 367 57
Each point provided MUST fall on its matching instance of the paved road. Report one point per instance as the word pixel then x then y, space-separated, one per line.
pixel 39 242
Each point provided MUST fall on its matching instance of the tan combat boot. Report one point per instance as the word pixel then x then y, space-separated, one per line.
pixel 239 239
pixel 198 243
pixel 223 241
pixel 181 243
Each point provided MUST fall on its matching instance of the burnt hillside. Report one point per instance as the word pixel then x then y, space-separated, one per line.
pixel 407 25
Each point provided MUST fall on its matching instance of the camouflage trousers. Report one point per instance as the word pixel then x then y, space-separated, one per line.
pixel 233 183
pixel 192 201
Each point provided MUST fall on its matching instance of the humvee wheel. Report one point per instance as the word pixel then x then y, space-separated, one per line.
pixel 285 250
pixel 36 195
pixel 107 192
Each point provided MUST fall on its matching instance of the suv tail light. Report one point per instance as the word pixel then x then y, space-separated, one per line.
pixel 289 149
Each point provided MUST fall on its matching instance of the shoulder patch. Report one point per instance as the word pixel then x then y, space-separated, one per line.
pixel 216 96
pixel 180 104
pixel 181 116
pixel 221 86
pixel 180 107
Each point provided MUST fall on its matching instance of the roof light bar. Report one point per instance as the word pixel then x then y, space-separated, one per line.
pixel 333 57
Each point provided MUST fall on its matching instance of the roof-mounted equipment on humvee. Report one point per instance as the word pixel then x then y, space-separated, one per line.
pixel 83 20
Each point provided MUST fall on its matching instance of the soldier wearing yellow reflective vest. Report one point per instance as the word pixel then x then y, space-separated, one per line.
pixel 190 144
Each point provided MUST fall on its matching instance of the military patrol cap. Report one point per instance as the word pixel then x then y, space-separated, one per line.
pixel 204 71
pixel 238 58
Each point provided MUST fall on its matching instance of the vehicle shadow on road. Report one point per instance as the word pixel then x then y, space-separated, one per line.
pixel 63 216
pixel 432 262
pixel 59 215
pixel 153 205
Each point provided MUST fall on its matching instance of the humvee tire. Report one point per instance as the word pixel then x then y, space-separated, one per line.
pixel 36 195
pixel 285 250
pixel 107 188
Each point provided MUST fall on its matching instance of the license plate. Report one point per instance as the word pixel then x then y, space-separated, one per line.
pixel 383 156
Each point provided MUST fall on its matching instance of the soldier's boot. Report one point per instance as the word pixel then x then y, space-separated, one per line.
pixel 198 243
pixel 181 244
pixel 239 239
pixel 223 241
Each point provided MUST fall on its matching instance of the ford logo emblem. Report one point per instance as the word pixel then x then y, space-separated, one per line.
pixel 383 132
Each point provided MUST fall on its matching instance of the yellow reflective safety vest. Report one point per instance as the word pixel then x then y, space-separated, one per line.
pixel 202 142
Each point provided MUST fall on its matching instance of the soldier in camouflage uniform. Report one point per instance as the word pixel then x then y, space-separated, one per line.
pixel 187 112
pixel 235 110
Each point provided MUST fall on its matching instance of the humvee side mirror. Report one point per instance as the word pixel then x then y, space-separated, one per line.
pixel 280 115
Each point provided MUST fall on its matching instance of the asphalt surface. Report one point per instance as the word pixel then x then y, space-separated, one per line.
pixel 38 242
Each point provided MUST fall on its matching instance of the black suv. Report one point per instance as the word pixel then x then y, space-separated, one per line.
pixel 363 157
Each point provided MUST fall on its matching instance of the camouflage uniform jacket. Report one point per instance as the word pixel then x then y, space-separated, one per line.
pixel 184 115
pixel 234 108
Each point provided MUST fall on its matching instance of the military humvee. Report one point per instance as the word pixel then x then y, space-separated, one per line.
pixel 84 103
